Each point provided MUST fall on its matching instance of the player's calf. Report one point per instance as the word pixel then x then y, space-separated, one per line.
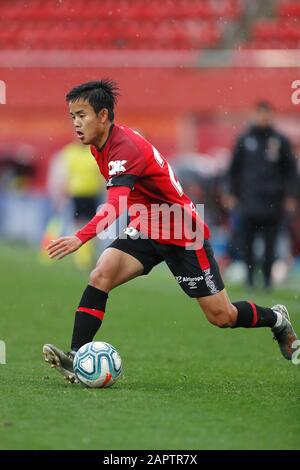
pixel 218 309
pixel 221 317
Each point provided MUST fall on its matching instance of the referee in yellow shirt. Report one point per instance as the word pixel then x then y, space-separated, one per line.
pixel 74 174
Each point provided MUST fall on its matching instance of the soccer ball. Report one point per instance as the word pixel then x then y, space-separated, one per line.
pixel 97 364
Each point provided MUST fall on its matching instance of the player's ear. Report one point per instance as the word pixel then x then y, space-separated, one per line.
pixel 103 115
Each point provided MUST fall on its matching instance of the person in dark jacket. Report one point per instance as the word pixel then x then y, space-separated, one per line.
pixel 262 185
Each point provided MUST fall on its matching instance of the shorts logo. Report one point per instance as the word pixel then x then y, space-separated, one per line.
pixel 116 167
pixel 131 231
pixel 192 284
pixel 192 281
pixel 210 282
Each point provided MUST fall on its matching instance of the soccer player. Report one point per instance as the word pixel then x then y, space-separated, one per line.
pixel 140 179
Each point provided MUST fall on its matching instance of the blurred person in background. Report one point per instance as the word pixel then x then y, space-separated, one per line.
pixel 294 226
pixel 74 175
pixel 19 205
pixel 262 185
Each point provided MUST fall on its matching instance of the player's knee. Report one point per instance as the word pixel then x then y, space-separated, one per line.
pixel 101 279
pixel 222 318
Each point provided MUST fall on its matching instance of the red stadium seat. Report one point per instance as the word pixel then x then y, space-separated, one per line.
pixel 289 9
pixel 116 24
pixel 280 32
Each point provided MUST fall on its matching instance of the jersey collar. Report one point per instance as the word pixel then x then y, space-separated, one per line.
pixel 109 134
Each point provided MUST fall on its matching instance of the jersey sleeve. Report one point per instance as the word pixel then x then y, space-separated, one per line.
pixel 126 164
pixel 107 214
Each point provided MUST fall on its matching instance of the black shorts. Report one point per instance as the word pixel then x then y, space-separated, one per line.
pixel 196 271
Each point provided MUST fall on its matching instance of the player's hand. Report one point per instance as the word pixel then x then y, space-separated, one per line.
pixel 63 246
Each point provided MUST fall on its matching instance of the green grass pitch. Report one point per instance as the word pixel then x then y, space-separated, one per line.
pixel 186 384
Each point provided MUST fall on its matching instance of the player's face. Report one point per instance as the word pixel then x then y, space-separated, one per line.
pixel 263 117
pixel 88 125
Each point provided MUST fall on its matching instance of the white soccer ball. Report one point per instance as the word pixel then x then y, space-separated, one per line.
pixel 97 364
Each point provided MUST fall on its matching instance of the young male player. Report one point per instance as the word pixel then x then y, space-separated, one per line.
pixel 137 174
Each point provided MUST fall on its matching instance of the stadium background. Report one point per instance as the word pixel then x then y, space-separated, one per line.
pixel 189 73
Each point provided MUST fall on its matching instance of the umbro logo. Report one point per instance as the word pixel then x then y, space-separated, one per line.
pixel 192 284
pixel 116 167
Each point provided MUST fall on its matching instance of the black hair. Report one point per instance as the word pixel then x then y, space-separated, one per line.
pixel 264 105
pixel 99 94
